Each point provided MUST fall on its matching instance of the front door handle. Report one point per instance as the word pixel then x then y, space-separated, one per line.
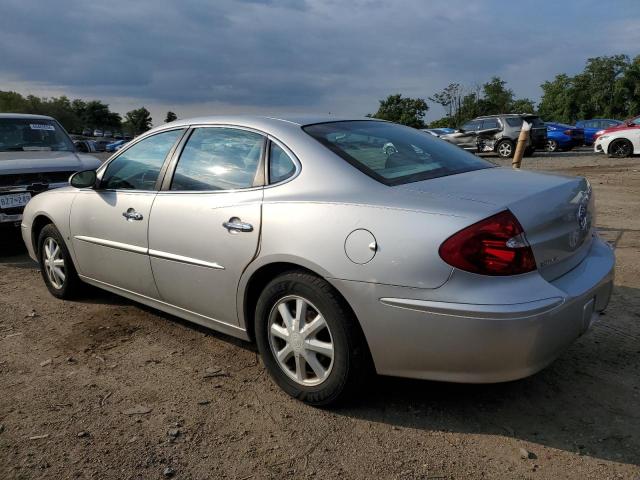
pixel 235 225
pixel 131 214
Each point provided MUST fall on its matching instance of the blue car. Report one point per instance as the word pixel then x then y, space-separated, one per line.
pixel 113 146
pixel 563 137
pixel 594 125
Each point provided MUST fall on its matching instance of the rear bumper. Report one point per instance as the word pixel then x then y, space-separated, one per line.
pixel 482 343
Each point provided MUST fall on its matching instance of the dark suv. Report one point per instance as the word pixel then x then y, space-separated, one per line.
pixel 499 133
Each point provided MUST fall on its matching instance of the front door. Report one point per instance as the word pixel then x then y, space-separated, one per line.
pixel 205 224
pixel 109 224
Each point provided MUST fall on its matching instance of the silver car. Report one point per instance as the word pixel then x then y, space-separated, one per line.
pixel 36 154
pixel 337 254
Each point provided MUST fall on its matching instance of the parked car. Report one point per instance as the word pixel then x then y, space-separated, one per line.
pixel 304 235
pixel 118 135
pixel 594 125
pixel 87 132
pixel 98 133
pixel 438 132
pixel 619 143
pixel 113 146
pixel 85 146
pixel 36 155
pixel 108 134
pixel 631 123
pixel 101 145
pixel 499 133
pixel 563 137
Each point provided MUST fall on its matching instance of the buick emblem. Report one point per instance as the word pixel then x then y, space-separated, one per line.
pixel 581 214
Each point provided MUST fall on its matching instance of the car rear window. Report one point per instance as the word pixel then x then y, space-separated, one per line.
pixel 33 135
pixel 393 154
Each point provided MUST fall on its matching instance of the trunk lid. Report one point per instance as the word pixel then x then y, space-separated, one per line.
pixel 556 212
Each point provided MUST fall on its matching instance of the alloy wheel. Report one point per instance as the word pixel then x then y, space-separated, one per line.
pixel 300 340
pixel 53 263
pixel 621 149
pixel 552 145
pixel 504 149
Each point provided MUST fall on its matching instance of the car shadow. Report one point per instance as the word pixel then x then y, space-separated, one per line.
pixel 586 402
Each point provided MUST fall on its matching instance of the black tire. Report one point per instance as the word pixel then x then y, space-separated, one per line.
pixel 505 148
pixel 71 285
pixel 620 148
pixel 351 361
pixel 552 146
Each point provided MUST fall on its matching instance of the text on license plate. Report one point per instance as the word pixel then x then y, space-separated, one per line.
pixel 14 200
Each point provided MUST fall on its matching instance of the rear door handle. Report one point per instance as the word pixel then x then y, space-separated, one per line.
pixel 235 225
pixel 131 214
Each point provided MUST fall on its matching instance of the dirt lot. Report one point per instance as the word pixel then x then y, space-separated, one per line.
pixel 104 388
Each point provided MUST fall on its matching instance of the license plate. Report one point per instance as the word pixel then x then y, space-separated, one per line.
pixel 14 200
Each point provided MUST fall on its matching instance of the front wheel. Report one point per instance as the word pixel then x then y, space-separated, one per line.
pixel 505 149
pixel 620 148
pixel 308 339
pixel 56 266
pixel 552 146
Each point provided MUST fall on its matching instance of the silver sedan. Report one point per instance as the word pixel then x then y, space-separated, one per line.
pixel 340 247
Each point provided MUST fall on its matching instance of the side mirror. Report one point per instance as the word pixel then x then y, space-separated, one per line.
pixel 84 179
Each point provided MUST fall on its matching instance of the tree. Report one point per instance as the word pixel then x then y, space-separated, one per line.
pixel 407 111
pixel 451 100
pixel 496 97
pixel 523 105
pixel 170 117
pixel 137 121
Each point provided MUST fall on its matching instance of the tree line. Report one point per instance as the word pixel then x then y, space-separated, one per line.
pixel 608 87
pixel 76 115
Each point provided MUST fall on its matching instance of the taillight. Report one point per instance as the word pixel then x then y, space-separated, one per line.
pixel 493 246
pixel 569 132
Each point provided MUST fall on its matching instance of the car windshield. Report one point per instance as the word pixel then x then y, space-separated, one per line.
pixel 394 154
pixel 33 134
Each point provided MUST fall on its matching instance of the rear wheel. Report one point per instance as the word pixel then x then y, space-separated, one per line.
pixel 56 267
pixel 552 146
pixel 308 339
pixel 620 148
pixel 505 149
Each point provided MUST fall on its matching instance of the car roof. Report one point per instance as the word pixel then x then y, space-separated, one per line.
pixel 25 116
pixel 249 120
pixel 507 115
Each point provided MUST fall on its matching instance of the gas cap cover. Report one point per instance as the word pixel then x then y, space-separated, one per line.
pixel 360 246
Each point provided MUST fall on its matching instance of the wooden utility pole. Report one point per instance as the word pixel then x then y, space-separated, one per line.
pixel 522 144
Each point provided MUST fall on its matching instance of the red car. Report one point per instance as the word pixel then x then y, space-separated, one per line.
pixel 631 123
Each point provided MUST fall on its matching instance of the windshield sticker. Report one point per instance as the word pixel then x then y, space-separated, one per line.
pixel 42 126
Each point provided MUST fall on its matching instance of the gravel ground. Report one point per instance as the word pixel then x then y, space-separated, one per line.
pixel 104 388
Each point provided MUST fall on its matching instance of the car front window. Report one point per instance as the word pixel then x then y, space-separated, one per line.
pixel 393 154
pixel 33 135
pixel 138 167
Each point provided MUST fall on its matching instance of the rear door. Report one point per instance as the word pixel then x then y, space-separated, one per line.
pixel 205 223
pixel 109 224
pixel 468 140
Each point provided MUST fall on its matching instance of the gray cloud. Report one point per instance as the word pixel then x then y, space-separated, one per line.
pixel 303 55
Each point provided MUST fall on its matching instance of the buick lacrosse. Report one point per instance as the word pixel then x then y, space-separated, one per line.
pixel 338 246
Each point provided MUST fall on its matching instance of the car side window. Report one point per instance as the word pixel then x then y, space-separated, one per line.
pixel 471 126
pixel 218 159
pixel 490 123
pixel 138 167
pixel 281 166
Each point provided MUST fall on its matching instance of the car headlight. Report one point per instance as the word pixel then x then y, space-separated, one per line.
pixel 599 132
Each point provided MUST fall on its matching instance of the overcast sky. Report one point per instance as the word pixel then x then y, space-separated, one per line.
pixel 217 56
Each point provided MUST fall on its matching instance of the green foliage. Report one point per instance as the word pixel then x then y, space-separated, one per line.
pixel 170 117
pixel 73 115
pixel 608 87
pixel 407 111
pixel 444 122
pixel 137 121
